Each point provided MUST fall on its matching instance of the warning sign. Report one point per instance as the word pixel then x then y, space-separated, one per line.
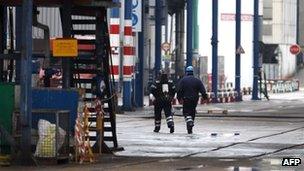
pixel 295 49
pixel 166 46
pixel 65 47
pixel 240 50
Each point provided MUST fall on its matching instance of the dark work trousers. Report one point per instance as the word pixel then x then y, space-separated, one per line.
pixel 166 106
pixel 189 110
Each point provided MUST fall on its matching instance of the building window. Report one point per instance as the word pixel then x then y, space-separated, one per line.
pixel 267 10
pixel 267 29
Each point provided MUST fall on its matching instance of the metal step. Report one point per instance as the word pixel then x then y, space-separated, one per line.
pixel 92 119
pixel 88 90
pixel 84 11
pixel 84 21
pixel 85 71
pixel 89 99
pixel 85 81
pixel 107 138
pixel 87 41
pixel 105 119
pixel 85 61
pixel 86 54
pixel 83 32
pixel 106 129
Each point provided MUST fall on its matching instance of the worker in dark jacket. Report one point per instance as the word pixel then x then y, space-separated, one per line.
pixel 189 88
pixel 163 91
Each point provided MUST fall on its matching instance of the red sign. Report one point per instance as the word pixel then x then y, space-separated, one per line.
pixel 231 17
pixel 295 49
pixel 166 46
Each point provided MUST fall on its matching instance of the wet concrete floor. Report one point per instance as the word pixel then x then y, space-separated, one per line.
pixel 236 143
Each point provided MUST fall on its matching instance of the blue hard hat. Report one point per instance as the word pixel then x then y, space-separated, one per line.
pixel 189 69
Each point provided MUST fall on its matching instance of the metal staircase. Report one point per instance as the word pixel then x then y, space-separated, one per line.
pixel 89 26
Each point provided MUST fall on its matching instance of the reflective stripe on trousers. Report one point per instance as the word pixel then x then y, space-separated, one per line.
pixel 157 123
pixel 188 119
pixel 169 119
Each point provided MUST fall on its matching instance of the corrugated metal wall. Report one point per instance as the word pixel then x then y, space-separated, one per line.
pixel 272 71
pixel 51 17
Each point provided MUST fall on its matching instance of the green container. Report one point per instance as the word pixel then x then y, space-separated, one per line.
pixel 7 101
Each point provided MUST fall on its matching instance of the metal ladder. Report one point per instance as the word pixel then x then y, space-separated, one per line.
pixel 94 58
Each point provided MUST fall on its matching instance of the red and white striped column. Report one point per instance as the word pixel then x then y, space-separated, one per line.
pixel 129 50
pixel 114 41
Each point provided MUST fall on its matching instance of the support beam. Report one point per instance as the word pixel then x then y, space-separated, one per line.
pixel 195 29
pixel 238 55
pixel 139 83
pixel 189 32
pixel 256 34
pixel 179 43
pixel 298 24
pixel 115 43
pixel 59 3
pixel 158 35
pixel 18 24
pixel 128 60
pixel 65 13
pixel 26 82
pixel 214 43
pixel 298 35
pixel 2 38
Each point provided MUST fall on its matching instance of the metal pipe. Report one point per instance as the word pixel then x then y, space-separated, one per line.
pixel 46 35
pixel 115 43
pixel 256 33
pixel 65 13
pixel 11 43
pixel 127 82
pixel 158 35
pixel 298 22
pixel 18 30
pixel 179 44
pixel 195 26
pixel 189 33
pixel 139 87
pixel 26 81
pixel 238 54
pixel 300 55
pixel 166 20
pixel 214 43
pixel 2 39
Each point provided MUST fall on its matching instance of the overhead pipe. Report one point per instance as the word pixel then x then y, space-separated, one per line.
pixel 238 54
pixel 189 32
pixel 158 35
pixel 139 87
pixel 26 82
pixel 256 35
pixel 214 42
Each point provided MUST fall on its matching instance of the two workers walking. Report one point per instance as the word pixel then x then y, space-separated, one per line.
pixel 188 90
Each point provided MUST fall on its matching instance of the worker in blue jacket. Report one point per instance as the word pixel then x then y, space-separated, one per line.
pixel 163 91
pixel 189 88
